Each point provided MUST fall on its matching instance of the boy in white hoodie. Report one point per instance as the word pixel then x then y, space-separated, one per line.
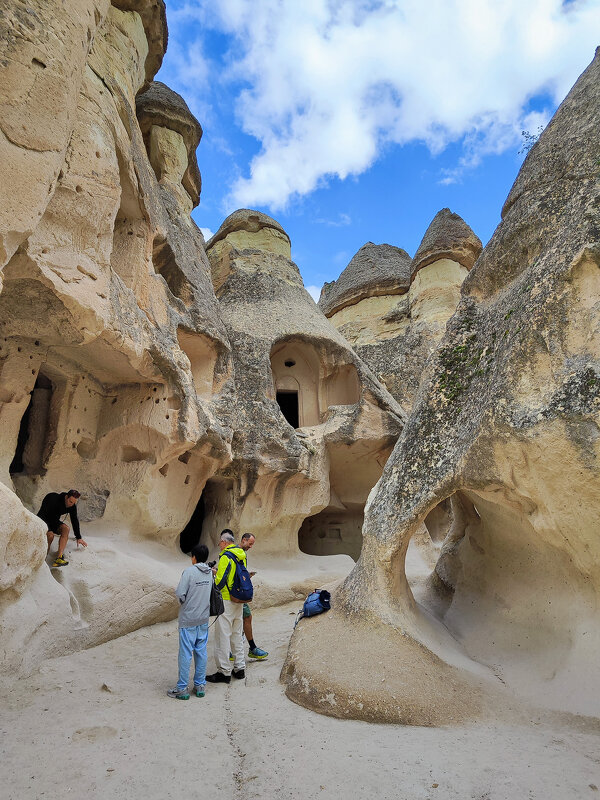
pixel 193 593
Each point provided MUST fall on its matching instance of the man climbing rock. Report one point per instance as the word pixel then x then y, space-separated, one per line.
pixel 54 506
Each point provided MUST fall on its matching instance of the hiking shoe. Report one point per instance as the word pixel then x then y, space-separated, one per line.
pixel 239 674
pixel 218 677
pixel 199 691
pixel 60 562
pixel 179 694
pixel 257 654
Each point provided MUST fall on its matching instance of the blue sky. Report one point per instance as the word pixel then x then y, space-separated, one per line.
pixel 357 120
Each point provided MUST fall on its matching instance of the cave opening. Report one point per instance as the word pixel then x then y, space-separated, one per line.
pixel 190 535
pixel 287 400
pixel 333 531
pixel 33 437
pixel 213 513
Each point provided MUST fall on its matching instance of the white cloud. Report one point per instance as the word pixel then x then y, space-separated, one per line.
pixel 314 292
pixel 328 83
pixel 341 221
pixel 207 233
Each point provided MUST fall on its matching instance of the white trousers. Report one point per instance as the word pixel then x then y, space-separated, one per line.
pixel 229 629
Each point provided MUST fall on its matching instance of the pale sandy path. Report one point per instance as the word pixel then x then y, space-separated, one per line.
pixel 62 735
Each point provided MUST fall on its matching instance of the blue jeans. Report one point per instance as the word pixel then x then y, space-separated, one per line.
pixel 192 640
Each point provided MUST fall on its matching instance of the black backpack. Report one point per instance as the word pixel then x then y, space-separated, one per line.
pixel 241 590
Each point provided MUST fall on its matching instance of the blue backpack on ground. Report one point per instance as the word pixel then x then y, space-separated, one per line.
pixel 316 602
pixel 241 590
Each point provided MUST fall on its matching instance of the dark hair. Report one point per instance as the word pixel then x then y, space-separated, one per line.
pixel 200 553
pixel 227 530
pixel 248 536
pixel 74 493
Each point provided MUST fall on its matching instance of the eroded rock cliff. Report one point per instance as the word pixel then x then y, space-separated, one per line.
pixel 505 428
pixel 175 410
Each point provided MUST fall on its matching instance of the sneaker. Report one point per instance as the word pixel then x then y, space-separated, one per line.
pixel 199 691
pixel 60 562
pixel 218 677
pixel 257 654
pixel 179 694
pixel 239 674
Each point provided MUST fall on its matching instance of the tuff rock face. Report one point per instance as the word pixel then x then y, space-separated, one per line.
pixel 313 428
pixel 505 429
pixel 112 345
pixel 123 375
pixel 393 310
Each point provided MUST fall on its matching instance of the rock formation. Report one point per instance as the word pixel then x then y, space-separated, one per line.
pixel 112 342
pixel 505 427
pixel 122 375
pixel 313 428
pixel 392 310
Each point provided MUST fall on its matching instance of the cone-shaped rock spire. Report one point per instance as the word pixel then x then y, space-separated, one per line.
pixel 375 270
pixel 448 236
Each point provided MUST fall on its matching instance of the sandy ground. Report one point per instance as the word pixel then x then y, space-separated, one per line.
pixel 98 724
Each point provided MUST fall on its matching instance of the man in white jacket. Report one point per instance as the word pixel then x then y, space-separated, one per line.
pixel 193 593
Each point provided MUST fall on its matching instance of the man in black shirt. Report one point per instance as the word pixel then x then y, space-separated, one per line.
pixel 54 506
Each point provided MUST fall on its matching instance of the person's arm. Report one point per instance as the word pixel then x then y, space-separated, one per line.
pixel 75 521
pixel 222 576
pixel 75 524
pixel 182 588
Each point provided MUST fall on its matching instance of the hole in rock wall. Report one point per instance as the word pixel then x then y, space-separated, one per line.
pixel 439 520
pixel 332 532
pixel 288 403
pixel 317 383
pixel 37 431
pixel 202 354
pixel 508 592
pixel 295 368
pixel 190 535
pixel 342 387
pixel 165 264
pixel 212 514
pixel 130 454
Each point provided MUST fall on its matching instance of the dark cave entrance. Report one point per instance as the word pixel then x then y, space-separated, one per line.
pixel 287 400
pixel 33 437
pixel 190 535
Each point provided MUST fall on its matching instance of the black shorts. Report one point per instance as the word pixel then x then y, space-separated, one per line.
pixel 53 524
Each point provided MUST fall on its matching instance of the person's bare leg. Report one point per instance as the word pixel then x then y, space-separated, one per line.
pixel 248 628
pixel 50 537
pixel 255 652
pixel 63 531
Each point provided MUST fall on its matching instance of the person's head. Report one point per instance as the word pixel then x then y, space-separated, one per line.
pixel 199 554
pixel 247 541
pixel 226 539
pixel 71 497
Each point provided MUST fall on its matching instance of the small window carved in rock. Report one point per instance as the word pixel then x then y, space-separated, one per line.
pixel 287 400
